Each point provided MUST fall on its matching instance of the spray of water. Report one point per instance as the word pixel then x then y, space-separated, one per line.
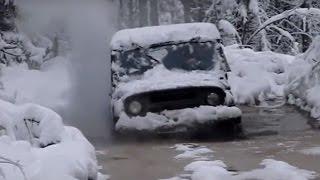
pixel 91 72
pixel 89 26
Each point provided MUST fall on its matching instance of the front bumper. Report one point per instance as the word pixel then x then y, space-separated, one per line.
pixel 175 121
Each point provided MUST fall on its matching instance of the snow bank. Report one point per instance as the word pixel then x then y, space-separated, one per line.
pixel 190 117
pixel 146 36
pixel 256 76
pixel 72 158
pixel 303 88
pixel 47 87
pixel 31 122
pixel 35 138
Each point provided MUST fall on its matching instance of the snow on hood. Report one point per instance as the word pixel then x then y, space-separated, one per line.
pixel 160 78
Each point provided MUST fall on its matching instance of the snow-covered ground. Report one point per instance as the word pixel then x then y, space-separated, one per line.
pixel 210 169
pixel 34 144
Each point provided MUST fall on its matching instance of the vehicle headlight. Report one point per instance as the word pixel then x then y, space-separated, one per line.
pixel 135 107
pixel 213 99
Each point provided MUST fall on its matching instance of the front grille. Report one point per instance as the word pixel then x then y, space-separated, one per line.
pixel 173 99
pixel 171 96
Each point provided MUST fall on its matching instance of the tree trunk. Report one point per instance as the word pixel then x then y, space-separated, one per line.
pixel 187 10
pixel 249 26
pixel 306 41
pixel 120 14
pixel 154 12
pixel 143 13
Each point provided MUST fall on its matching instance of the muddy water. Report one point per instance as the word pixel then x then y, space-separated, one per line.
pixel 279 134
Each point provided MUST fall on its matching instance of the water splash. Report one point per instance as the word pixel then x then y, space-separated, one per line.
pixel 87 27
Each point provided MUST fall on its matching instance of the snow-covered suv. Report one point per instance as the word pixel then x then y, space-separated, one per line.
pixel 170 78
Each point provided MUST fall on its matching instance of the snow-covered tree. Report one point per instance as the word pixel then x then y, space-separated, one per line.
pixel 15 46
pixel 228 33
pixel 222 10
pixel 171 12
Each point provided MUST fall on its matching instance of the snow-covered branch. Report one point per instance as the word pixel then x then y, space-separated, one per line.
pixel 272 20
pixel 296 11
pixel 4 160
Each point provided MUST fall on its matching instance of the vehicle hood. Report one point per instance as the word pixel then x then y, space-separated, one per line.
pixel 160 78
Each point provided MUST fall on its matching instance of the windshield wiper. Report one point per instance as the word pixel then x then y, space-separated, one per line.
pixel 144 52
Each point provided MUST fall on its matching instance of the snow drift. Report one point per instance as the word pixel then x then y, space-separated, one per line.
pixel 256 76
pixel 35 138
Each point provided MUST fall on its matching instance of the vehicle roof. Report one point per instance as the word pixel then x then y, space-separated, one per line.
pixel 128 39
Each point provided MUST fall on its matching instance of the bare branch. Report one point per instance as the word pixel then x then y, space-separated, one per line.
pixel 5 52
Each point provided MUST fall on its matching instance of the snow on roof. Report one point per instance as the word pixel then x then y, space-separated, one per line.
pixel 146 36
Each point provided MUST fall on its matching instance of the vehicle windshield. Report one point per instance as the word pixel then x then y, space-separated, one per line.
pixel 185 56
